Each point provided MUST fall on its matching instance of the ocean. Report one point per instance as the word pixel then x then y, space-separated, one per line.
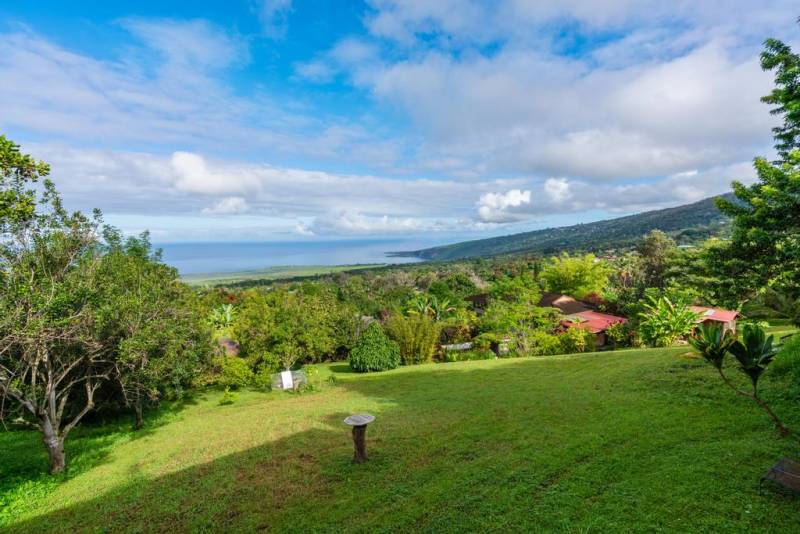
pixel 216 257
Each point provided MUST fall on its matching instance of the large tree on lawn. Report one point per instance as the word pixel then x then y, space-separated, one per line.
pixel 81 311
pixel 51 364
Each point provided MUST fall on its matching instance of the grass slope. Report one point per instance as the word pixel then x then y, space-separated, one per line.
pixel 686 223
pixel 271 273
pixel 646 440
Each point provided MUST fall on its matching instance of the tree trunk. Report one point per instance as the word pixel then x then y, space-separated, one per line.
pixel 55 448
pixel 360 444
pixel 137 409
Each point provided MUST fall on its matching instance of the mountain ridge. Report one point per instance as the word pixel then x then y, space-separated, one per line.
pixel 686 223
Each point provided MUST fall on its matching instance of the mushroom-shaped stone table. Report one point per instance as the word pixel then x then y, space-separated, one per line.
pixel 359 423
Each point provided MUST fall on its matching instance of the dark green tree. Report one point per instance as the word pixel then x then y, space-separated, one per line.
pixel 779 57
pixel 656 250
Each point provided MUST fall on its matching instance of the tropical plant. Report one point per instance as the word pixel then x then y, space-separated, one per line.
pixel 753 352
pixel 374 351
pixel 222 316
pixel 712 342
pixel 416 335
pixel 425 304
pixel 664 322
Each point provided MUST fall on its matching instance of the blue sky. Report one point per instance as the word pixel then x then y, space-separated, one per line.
pixel 302 120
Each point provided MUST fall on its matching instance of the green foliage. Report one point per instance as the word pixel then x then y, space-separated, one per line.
pixel 780 58
pixel 374 351
pixel 754 352
pixel 576 276
pixel 278 328
pixel 425 304
pixel 222 317
pixel 234 372
pixel 623 335
pixel 712 342
pixel 576 340
pixel 655 250
pixel 228 397
pixel 541 343
pixel 262 379
pixel 416 335
pixel 764 250
pixel 664 322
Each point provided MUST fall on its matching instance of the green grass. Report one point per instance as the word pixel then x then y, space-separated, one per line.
pixel 271 273
pixel 643 440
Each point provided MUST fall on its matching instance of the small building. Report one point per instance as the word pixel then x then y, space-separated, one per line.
pixel 726 318
pixel 593 322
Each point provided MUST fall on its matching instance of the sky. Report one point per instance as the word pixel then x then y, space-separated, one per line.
pixel 262 120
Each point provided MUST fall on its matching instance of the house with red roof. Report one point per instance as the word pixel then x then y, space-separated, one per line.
pixel 582 315
pixel 593 322
pixel 706 315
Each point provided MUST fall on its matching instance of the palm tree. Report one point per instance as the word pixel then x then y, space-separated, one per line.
pixel 753 352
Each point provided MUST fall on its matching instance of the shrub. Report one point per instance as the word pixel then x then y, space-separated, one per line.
pixel 576 340
pixel 228 397
pixel 540 343
pixel 235 372
pixel 374 351
pixel 263 379
pixel 416 335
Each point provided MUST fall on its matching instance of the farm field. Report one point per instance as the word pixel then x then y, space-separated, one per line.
pixel 271 273
pixel 635 440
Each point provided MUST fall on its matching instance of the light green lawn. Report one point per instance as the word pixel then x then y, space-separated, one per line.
pixel 644 440
pixel 271 273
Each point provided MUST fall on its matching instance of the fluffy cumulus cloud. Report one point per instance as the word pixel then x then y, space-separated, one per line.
pixel 496 207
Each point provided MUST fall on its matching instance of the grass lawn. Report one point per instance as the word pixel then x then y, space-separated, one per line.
pixel 644 440
pixel 272 273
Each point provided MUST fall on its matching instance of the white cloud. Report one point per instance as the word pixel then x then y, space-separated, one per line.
pixel 494 207
pixel 557 189
pixel 228 206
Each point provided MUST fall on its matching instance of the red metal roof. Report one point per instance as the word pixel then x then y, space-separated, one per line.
pixel 594 322
pixel 714 314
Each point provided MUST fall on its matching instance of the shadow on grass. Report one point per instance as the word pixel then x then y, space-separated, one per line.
pixel 459 448
pixel 24 471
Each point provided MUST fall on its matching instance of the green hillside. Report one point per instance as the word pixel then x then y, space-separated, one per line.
pixel 687 224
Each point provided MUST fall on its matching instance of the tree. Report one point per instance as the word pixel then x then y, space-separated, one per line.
pixel 576 276
pixel 278 328
pixel 51 364
pixel 765 246
pixel 146 313
pixel 656 250
pixel 754 352
pixel 779 57
pixel 77 313
pixel 764 250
